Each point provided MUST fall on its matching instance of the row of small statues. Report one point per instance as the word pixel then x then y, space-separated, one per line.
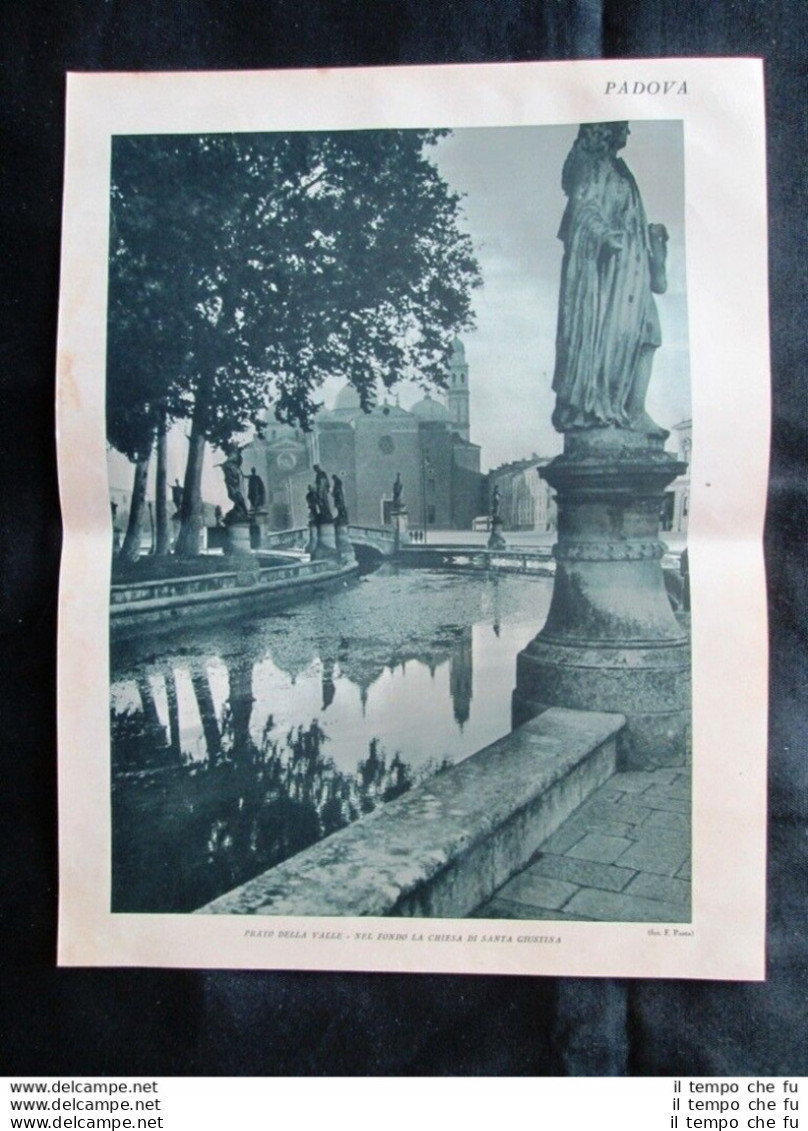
pixel 320 493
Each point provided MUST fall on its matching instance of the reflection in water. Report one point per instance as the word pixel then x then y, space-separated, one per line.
pixel 246 745
pixel 184 832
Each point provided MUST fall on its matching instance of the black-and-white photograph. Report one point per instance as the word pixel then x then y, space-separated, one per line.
pixel 399 445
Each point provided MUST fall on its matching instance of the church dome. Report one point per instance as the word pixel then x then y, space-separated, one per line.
pixel 458 350
pixel 429 410
pixel 347 398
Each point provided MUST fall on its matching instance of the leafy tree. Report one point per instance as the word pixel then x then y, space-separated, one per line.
pixel 147 343
pixel 258 265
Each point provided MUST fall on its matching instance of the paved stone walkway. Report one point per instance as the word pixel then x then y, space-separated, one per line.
pixel 623 856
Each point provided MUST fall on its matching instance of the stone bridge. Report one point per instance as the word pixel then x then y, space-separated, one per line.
pixel 373 538
pixel 433 555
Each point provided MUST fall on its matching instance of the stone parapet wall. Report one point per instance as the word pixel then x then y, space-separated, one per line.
pixel 447 845
pixel 139 591
pixel 150 606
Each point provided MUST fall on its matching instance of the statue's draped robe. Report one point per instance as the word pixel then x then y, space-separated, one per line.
pixel 607 315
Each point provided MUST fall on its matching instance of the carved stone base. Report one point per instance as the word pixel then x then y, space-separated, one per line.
pixel 496 540
pixel 611 641
pixel 237 540
pixel 344 545
pixel 312 543
pixel 401 526
pixel 326 542
pixel 259 525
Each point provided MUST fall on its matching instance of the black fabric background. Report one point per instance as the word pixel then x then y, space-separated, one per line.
pixel 177 1022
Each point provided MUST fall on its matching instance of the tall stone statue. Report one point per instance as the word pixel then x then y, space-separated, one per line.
pixel 496 501
pixel 610 642
pixel 256 492
pixel 398 491
pixel 311 503
pixel 614 262
pixel 322 486
pixel 340 505
pixel 231 469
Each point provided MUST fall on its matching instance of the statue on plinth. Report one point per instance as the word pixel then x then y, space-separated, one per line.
pixel 614 263
pixel 311 503
pixel 236 521
pixel 398 491
pixel 322 488
pixel 256 492
pixel 176 497
pixel 343 539
pixel 610 642
pixel 231 469
pixel 339 500
pixel 495 539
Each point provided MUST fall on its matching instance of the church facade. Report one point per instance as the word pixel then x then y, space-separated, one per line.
pixel 429 445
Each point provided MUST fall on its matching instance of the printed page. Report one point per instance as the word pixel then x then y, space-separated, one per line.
pixel 413 440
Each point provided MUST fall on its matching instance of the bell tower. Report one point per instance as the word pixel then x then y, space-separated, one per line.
pixel 457 397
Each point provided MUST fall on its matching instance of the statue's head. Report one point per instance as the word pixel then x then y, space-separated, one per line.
pixel 602 137
pixel 595 142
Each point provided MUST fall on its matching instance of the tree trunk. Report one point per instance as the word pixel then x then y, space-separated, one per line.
pixel 173 714
pixel 130 551
pixel 191 514
pixel 163 541
pixel 207 713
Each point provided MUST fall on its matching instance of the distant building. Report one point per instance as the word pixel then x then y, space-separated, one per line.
pixel 428 444
pixel 526 501
pixel 677 498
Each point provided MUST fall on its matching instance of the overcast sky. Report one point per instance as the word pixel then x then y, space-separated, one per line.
pixel 514 205
pixel 511 181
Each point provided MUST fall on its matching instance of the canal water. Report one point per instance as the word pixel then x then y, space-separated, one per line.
pixel 238 745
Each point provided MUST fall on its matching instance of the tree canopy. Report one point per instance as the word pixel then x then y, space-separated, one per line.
pixel 247 268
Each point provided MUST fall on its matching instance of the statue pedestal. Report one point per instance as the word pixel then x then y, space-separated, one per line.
pixel 344 545
pixel 400 517
pixel 259 520
pixel 611 641
pixel 326 542
pixel 496 541
pixel 312 543
pixel 237 539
